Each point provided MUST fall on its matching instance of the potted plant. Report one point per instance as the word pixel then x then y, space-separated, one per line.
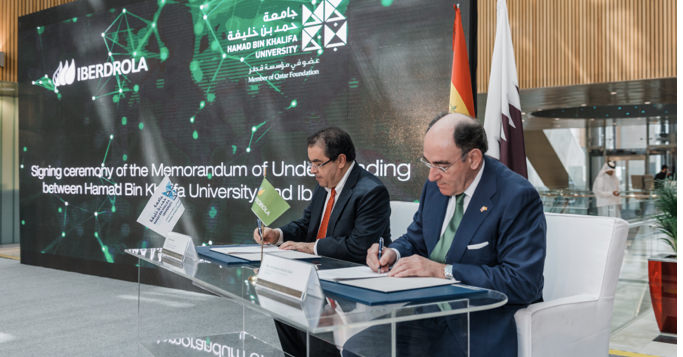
pixel 662 269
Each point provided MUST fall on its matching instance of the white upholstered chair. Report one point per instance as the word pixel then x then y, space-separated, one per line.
pixel 401 217
pixel 583 260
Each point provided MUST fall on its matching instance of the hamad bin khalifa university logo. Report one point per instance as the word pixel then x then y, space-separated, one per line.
pixel 325 17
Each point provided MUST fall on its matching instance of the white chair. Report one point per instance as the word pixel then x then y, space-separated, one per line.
pixel 583 260
pixel 401 217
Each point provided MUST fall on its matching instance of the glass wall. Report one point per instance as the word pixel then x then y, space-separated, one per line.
pixel 639 147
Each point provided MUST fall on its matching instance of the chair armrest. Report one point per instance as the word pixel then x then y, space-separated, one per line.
pixel 578 323
pixel 545 305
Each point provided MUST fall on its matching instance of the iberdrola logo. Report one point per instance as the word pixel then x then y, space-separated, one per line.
pixel 65 73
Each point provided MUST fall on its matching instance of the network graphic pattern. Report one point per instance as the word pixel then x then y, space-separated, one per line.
pixel 129 47
pixel 134 38
pixel 71 222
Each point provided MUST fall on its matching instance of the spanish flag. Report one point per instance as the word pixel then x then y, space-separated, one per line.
pixel 461 100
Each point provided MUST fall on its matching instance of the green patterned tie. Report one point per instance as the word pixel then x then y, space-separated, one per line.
pixel 444 244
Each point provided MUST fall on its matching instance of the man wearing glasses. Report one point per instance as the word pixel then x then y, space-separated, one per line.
pixel 349 211
pixel 478 222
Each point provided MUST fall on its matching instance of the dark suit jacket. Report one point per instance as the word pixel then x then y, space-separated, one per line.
pixel 499 245
pixel 360 217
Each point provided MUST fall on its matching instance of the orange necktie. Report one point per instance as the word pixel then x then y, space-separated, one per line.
pixel 322 231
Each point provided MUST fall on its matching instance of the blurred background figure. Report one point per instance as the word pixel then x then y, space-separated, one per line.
pixel 661 176
pixel 606 190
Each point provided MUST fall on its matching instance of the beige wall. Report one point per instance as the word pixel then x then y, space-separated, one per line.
pixel 567 42
pixel 10 10
pixel 9 173
pixel 557 42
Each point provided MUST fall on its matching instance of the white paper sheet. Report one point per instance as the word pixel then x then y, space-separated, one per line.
pixel 252 257
pixel 359 272
pixel 229 250
pixel 292 254
pixel 388 284
pixel 253 253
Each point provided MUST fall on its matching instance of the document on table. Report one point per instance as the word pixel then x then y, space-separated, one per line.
pixel 359 272
pixel 292 254
pixel 239 249
pixel 389 284
pixel 252 253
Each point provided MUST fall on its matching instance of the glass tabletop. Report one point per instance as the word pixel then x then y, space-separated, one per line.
pixel 237 282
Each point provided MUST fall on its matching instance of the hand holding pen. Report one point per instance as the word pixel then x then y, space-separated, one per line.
pixel 376 254
pixel 265 234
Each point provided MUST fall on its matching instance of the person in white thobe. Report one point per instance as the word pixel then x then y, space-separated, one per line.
pixel 606 190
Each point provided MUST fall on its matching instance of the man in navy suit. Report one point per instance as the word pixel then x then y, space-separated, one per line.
pixel 478 222
pixel 348 212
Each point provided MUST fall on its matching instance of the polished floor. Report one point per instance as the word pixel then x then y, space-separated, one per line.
pixel 633 324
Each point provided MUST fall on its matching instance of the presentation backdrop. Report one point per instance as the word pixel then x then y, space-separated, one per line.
pixel 215 95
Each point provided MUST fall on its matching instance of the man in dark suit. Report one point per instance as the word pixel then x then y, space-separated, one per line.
pixel 348 212
pixel 478 222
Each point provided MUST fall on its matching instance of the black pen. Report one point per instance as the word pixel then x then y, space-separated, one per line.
pixel 260 233
pixel 379 254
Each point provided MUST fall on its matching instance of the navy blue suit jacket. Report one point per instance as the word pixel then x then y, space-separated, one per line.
pixel 360 216
pixel 499 245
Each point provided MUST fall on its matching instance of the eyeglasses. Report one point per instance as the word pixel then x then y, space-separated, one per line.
pixel 313 166
pixel 441 167
pixel 432 166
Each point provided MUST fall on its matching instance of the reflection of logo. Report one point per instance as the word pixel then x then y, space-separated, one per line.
pixel 326 16
pixel 170 192
pixel 65 73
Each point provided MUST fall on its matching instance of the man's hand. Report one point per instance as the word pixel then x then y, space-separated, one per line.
pixel 270 236
pixel 416 265
pixel 381 265
pixel 300 246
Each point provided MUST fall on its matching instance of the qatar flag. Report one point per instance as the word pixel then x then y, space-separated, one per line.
pixel 503 118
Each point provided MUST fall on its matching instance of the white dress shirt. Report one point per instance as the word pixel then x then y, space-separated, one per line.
pixel 450 209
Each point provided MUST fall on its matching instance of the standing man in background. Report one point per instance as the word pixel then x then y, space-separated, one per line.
pixel 349 211
pixel 606 190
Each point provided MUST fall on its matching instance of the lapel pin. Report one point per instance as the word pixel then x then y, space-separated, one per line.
pixel 483 209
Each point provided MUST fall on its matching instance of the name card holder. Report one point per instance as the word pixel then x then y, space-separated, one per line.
pixel 177 249
pixel 290 288
pixel 291 279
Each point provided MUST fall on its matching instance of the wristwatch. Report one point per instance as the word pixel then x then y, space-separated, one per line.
pixel 448 272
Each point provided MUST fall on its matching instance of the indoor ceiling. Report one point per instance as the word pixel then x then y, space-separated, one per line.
pixel 630 103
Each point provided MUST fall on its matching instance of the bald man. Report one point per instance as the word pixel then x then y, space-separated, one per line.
pixel 478 222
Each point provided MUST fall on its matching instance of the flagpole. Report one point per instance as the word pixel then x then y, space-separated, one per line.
pixel 260 224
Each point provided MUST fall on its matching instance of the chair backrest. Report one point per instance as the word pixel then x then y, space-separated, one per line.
pixel 401 217
pixel 584 255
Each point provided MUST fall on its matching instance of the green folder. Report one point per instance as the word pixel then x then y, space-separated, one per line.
pixel 268 204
